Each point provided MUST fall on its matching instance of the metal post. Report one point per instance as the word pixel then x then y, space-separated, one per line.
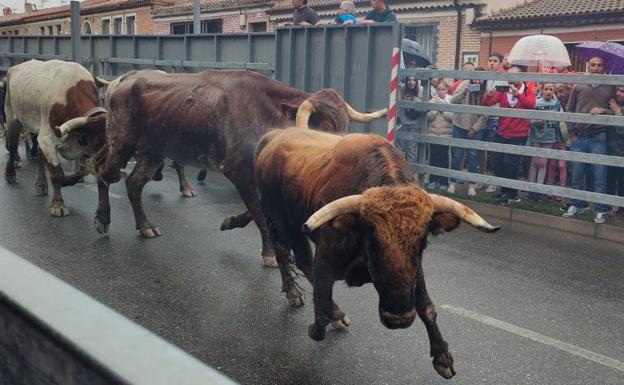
pixel 394 81
pixel 75 31
pixel 196 17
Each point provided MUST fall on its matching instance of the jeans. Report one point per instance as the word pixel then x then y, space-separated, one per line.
pixel 457 153
pixel 507 165
pixel 583 172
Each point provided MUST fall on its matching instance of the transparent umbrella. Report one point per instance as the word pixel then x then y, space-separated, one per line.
pixel 539 50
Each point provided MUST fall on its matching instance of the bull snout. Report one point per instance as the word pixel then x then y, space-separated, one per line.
pixel 397 321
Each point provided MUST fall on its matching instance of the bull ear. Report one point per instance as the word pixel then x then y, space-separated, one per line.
pixel 290 110
pixel 443 222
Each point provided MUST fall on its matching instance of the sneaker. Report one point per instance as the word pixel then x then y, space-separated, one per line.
pixel 491 189
pixel 478 186
pixel 600 217
pixel 517 199
pixel 573 210
pixel 502 199
pixel 451 188
pixel 564 207
pixel 443 187
pixel 471 190
pixel 432 185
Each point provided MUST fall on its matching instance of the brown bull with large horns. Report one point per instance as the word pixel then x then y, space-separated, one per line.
pixel 356 198
pixel 212 119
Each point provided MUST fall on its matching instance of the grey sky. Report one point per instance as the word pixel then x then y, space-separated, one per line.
pixel 18 5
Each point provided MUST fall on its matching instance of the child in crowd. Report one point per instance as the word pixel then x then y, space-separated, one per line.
pixel 467 126
pixel 615 141
pixel 562 91
pixel 543 134
pixel 346 13
pixel 440 124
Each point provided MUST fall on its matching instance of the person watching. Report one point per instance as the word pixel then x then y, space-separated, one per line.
pixel 380 13
pixel 346 13
pixel 304 15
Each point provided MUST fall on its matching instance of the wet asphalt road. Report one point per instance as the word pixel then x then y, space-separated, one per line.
pixel 524 306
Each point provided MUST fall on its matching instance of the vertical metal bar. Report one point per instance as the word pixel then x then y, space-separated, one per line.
pixel 216 48
pixel 92 54
pixel 55 43
pixel 250 49
pixel 159 47
pixel 11 50
pixel 306 58
pixel 112 50
pixel 196 17
pixel 278 55
pixel 39 45
pixel 325 77
pixel 135 49
pixel 346 81
pixel 368 67
pixel 75 31
pixel 291 58
pixel 187 48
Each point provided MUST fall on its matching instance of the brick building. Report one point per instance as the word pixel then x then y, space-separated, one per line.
pixel 572 21
pixel 217 16
pixel 96 17
pixel 433 23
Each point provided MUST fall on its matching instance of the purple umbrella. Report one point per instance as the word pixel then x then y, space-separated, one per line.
pixel 611 53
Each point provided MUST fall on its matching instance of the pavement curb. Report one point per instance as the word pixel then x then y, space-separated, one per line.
pixel 603 231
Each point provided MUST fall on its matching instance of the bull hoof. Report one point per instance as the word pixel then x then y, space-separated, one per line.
pixel 11 179
pixel 59 210
pixel 228 223
pixel 316 332
pixel 150 232
pixel 158 176
pixel 270 261
pixel 342 323
pixel 100 227
pixel 443 364
pixel 42 189
pixel 188 193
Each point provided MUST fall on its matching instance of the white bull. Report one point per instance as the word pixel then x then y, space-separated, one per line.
pixel 40 97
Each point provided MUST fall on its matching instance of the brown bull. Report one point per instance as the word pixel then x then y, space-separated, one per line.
pixel 211 119
pixel 356 198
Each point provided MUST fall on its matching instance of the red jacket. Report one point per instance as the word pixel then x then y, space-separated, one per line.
pixel 512 127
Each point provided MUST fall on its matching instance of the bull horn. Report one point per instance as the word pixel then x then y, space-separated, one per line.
pixel 69 126
pixel 364 118
pixel 100 82
pixel 344 205
pixel 465 213
pixel 305 110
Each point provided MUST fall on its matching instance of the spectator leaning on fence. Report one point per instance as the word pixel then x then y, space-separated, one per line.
pixel 440 124
pixel 304 15
pixel 346 13
pixel 510 131
pixel 467 126
pixel 409 119
pixel 615 138
pixel 543 134
pixel 380 13
pixel 494 65
pixel 467 66
pixel 589 138
pixel 559 166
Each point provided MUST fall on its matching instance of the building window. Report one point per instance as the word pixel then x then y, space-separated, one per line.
pixel 182 28
pixel 117 25
pixel 130 25
pixel 58 29
pixel 50 30
pixel 470 57
pixel 86 28
pixel 212 26
pixel 105 26
pixel 258 26
pixel 41 31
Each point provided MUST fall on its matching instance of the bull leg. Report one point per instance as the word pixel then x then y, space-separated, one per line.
pixel 304 261
pixel 185 187
pixel 12 143
pixel 442 358
pixel 236 221
pixel 324 306
pixel 158 176
pixel 34 148
pixel 244 181
pixel 102 214
pixel 58 179
pixel 41 184
pixel 140 175
pixel 201 175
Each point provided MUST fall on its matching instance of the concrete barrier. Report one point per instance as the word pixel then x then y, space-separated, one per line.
pixel 51 333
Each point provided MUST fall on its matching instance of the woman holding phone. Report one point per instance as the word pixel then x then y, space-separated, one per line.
pixel 510 131
pixel 467 126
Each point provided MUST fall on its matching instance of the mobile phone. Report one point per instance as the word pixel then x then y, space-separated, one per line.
pixel 502 88
pixel 473 87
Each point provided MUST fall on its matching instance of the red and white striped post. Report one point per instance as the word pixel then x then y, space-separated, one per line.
pixel 394 89
pixel 394 82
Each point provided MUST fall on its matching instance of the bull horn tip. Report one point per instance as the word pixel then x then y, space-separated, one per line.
pixel 306 229
pixel 487 228
pixel 57 131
